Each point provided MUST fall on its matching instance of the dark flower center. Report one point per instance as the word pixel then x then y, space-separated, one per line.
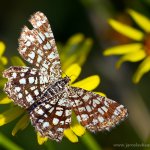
pixel 147 44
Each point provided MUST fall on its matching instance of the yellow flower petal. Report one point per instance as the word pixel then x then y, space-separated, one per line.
pixel 142 69
pixel 132 57
pixel 75 39
pixel 67 56
pixel 69 61
pixel 71 45
pixel 4 60
pixel 41 139
pixel 75 50
pixel 78 129
pixel 126 30
pixel 73 72
pixel 140 19
pixel 10 115
pixel 21 124
pixel 70 135
pixel 122 49
pixel 101 94
pixel 5 100
pixel 83 51
pixel 89 83
pixel 2 48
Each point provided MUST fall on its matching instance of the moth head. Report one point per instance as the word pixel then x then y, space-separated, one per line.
pixel 67 79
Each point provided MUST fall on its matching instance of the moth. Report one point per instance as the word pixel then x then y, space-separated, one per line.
pixel 48 98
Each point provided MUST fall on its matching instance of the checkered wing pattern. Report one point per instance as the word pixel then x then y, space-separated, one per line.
pixel 38 47
pixel 46 95
pixel 95 112
pixel 52 116
pixel 25 85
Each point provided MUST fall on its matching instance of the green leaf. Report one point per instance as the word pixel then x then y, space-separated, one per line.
pixel 10 115
pixel 2 82
pixel 21 124
pixel 8 144
pixel 1 68
pixel 3 94
pixel 16 61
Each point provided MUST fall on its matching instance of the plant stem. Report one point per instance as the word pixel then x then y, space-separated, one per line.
pixel 90 142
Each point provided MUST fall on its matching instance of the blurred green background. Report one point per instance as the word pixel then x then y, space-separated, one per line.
pixel 89 17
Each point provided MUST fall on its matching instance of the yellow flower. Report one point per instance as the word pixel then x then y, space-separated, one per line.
pixel 137 51
pixel 3 59
pixel 75 50
pixel 75 129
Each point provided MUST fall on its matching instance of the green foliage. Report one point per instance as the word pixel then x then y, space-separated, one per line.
pixel 17 61
pixel 8 144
